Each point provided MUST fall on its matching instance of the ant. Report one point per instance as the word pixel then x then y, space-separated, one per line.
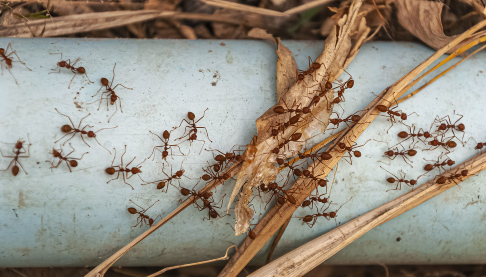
pixel 282 110
pixel 124 170
pixel 321 93
pixel 443 179
pixel 166 146
pixel 393 153
pixel 412 135
pixel 212 175
pixel 283 126
pixel 320 182
pixel 294 137
pixel 161 184
pixel 111 95
pixel 73 130
pixel 438 164
pixel 354 118
pixel 351 150
pixel 310 220
pixel 208 204
pixel 446 124
pixel 342 87
pixel 8 61
pixel 400 180
pixel 208 195
pixel 17 150
pixel 313 200
pixel 446 145
pixel 223 158
pixel 275 189
pixel 313 67
pixel 70 162
pixel 391 113
pixel 67 64
pixel 142 217
pixel 192 134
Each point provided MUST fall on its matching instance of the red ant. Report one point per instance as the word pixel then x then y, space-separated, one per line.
pixel 391 113
pixel 70 162
pixel 111 95
pixel 17 150
pixel 294 137
pixel 283 126
pixel 313 67
pixel 67 64
pixel 208 204
pixel 452 177
pixel 73 130
pixel 400 180
pixel 8 61
pixel 166 146
pixel 412 135
pixel 161 184
pixel 192 134
pixel 142 217
pixel 212 175
pixel 313 200
pixel 223 159
pixel 282 110
pixel 124 170
pixel 438 164
pixel 342 87
pixel 351 150
pixel 275 189
pixel 310 220
pixel 393 153
pixel 321 93
pixel 208 195
pixel 446 124
pixel 446 145
pixel 354 118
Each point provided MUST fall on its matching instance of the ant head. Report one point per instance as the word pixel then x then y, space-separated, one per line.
pixel 166 134
pixel 350 83
pixel 412 152
pixel 442 127
pixel 207 194
pixel 291 199
pixel 180 173
pixel 91 134
pixel 391 180
pixel 132 210
pixel 216 167
pixel 280 161
pixel 185 191
pixel 151 221
pixel 110 170
pixel 213 214
pixel 297 172
pixel 434 142
pixel 239 158
pixel 342 145
pixel 206 177
pixel 451 144
pixel 403 116
pixel 441 180
pixel 307 218
pixel 315 65
pixel 357 153
pixel 356 118
pixel 461 127
pixel 136 170
pixel 450 162
pixel 263 187
pixel 413 182
pixel 18 144
pixel 66 128
pixel 274 132
pixel 464 172
pixel 427 135
pixel 73 163
pixel 428 167
pixel 389 153
pixel 382 108
pixel 220 158
pixel 251 234
pixel 300 77
pixel 226 176
pixel 306 110
pixel 160 185
pixel 2 51
pixel 403 134
pixel 332 214
pixel 322 183
pixel 229 155
pixel 104 82
pixel 306 172
pixel 81 70
pixel 328 85
pixel 323 200
pixel 334 121
pixel 276 150
pixel 15 170
pixel 325 156
pixel 56 153
pixel 281 200
pixel 272 185
pixel 165 154
pixel 191 116
pixel 296 136
pixel 306 203
pixel 279 110
pixel 113 98
pixel 479 146
pixel 193 136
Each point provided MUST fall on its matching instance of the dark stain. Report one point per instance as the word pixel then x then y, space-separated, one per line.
pixel 222 44
pixel 15 213
pixel 399 239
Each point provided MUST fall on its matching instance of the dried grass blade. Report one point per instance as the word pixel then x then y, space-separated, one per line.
pixel 241 7
pixel 277 216
pixel 308 256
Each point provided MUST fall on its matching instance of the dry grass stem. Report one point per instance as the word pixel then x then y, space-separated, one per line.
pixel 308 256
pixel 277 216
pixel 225 257
pixel 241 7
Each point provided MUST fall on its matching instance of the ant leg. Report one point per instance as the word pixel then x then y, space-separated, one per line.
pixel 71 151
pixel 72 132
pixel 125 181
pixel 113 157
pixel 123 154
pixel 122 86
pixel 69 167
pixel 54 70
pixel 117 176
pixel 204 113
pixel 113 78
pixel 12 75
pixel 207 134
pixel 102 145
pixel 8 166
pixel 131 161
pixel 74 75
pixel 116 110
pixel 72 124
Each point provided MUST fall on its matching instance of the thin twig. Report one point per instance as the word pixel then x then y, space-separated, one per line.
pixel 279 235
pixel 225 257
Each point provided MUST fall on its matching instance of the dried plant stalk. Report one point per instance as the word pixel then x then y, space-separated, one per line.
pixel 308 256
pixel 277 216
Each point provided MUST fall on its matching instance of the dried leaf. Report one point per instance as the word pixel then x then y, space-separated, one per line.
pixel 423 19
pixel 262 168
